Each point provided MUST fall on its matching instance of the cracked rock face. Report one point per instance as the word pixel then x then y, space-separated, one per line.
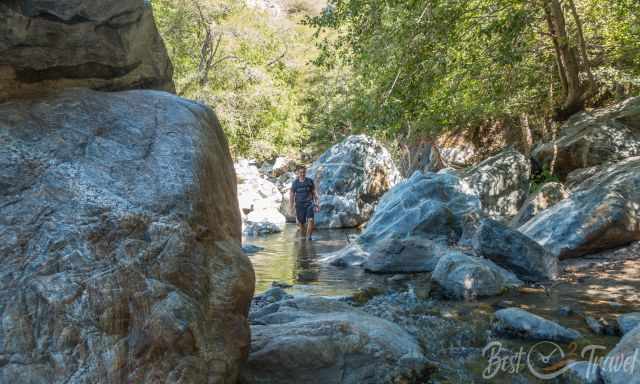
pixel 120 242
pixel 107 45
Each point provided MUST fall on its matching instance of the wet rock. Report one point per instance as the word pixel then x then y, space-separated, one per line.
pixel 628 321
pixel 622 364
pixel 259 200
pixel 317 340
pixel 502 183
pixel 271 296
pixel 468 277
pixel 601 214
pixel 412 254
pixel 566 311
pixel 350 178
pixel 251 248
pixel 47 46
pixel 578 176
pixel 514 251
pixel 581 372
pixel 593 138
pixel 516 322
pixel 548 195
pixel 120 242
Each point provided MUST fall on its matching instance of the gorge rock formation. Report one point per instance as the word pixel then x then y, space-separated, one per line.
pixel 120 238
pixel 601 213
pixel 593 138
pixel 350 177
pixel 502 183
pixel 107 45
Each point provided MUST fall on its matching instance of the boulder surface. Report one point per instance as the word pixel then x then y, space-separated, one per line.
pixel 593 138
pixel 99 44
pixel 350 178
pixel 120 241
pixel 602 213
pixel 317 340
pixel 502 183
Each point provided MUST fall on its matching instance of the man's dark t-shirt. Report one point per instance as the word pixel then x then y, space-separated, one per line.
pixel 303 190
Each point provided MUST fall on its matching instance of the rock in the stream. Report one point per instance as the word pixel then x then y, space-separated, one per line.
pixel 120 241
pixel 465 277
pixel 628 321
pixel 259 200
pixel 281 165
pixel 502 183
pixel 251 248
pixel 516 322
pixel 350 177
pixel 515 251
pixel 602 213
pixel 622 364
pixel 413 222
pixel 413 254
pixel 592 138
pixel 431 206
pixel 548 195
pixel 108 44
pixel 317 340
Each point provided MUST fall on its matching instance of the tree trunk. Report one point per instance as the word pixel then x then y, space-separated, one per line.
pixel 567 61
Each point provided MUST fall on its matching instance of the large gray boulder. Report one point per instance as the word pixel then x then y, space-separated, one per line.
pixel 602 213
pixel 518 323
pixel 432 206
pixel 545 197
pixel 592 138
pixel 502 183
pixel 350 178
pixel 514 251
pixel 466 277
pixel 413 223
pixel 100 44
pixel 622 364
pixel 317 340
pixel 120 241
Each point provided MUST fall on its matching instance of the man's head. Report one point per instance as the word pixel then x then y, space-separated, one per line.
pixel 301 172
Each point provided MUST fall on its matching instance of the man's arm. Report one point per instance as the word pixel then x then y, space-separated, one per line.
pixel 291 197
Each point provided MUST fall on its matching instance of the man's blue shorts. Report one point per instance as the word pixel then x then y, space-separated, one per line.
pixel 304 211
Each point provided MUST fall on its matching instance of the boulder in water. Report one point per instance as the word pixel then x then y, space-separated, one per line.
pixel 469 277
pixel 628 321
pixel 518 323
pixel 350 178
pixel 318 340
pixel 120 239
pixel 515 251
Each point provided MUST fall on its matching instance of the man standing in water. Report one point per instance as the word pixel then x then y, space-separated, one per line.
pixel 303 193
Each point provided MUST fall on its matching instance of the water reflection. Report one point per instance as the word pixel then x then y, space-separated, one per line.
pixel 290 259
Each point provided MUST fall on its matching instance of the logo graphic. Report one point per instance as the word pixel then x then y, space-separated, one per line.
pixel 546 360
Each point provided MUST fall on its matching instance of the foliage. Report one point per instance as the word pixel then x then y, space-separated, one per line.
pixel 537 181
pixel 431 65
pixel 247 64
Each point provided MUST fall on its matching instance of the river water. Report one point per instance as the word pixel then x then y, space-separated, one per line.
pixel 600 290
pixel 289 259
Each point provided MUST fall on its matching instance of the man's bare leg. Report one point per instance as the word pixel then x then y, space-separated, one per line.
pixel 301 228
pixel 310 228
